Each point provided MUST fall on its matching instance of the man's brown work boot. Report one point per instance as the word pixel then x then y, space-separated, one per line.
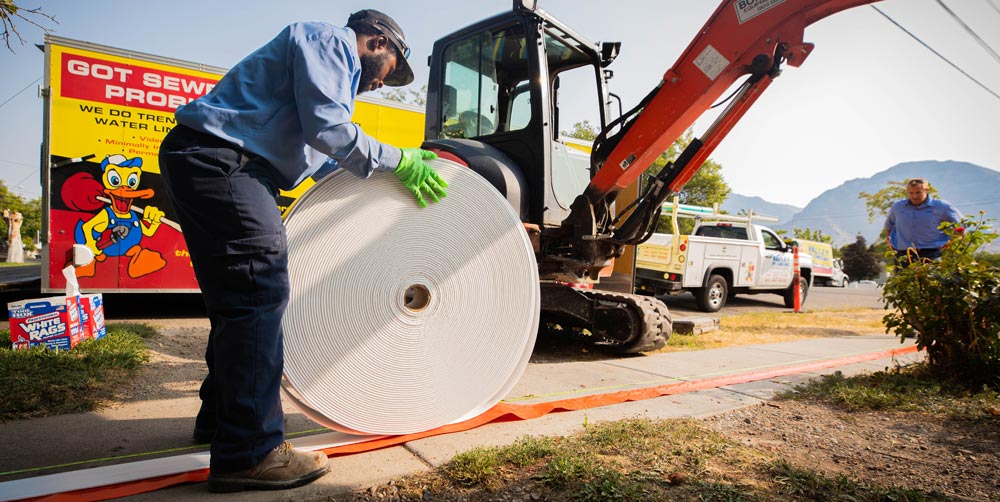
pixel 284 467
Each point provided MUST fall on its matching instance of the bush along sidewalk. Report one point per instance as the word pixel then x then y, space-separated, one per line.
pixel 951 306
pixel 40 382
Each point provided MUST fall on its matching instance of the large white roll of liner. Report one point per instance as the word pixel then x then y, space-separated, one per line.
pixel 401 318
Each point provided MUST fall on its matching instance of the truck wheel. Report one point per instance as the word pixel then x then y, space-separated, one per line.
pixel 803 292
pixel 712 297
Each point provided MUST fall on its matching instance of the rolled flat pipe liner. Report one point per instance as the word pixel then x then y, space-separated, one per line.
pixel 401 318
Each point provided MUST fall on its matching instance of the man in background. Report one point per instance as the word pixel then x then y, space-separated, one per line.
pixel 911 227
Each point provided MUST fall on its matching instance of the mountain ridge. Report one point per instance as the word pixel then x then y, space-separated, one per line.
pixel 839 213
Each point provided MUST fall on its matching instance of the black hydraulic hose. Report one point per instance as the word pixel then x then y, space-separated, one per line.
pixel 641 224
pixel 604 145
pixel 682 161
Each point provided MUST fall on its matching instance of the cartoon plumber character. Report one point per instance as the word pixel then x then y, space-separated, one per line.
pixel 118 229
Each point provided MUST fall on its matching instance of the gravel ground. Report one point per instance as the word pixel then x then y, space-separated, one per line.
pixel 957 457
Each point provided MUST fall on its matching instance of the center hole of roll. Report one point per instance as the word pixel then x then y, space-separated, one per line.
pixel 417 297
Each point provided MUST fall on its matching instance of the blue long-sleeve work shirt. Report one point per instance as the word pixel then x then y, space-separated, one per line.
pixel 917 226
pixel 291 102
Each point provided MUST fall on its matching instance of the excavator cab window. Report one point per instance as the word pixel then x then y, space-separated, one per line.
pixel 481 74
pixel 521 84
pixel 576 112
pixel 520 106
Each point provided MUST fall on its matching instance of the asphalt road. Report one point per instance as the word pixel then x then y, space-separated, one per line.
pixel 15 276
pixel 24 282
pixel 817 299
pixel 18 283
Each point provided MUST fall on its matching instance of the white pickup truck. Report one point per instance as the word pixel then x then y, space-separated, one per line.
pixel 720 260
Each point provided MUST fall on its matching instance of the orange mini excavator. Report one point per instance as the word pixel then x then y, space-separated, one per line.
pixel 494 105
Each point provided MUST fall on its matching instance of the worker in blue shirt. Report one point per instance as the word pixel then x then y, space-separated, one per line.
pixel 279 116
pixel 911 227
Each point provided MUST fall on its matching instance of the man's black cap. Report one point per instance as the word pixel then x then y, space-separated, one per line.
pixel 385 25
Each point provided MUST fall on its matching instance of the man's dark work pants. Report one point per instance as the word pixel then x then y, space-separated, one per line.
pixel 226 207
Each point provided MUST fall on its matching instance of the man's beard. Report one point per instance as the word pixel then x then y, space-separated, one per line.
pixel 371 65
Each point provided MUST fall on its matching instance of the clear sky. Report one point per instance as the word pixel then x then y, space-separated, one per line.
pixel 868 97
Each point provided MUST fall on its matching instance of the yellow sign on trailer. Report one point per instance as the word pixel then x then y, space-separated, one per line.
pixel 103 106
pixel 391 122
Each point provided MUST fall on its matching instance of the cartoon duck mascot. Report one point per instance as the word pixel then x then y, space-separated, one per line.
pixel 116 230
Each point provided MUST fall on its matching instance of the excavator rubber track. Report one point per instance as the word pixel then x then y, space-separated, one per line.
pixel 650 333
pixel 618 322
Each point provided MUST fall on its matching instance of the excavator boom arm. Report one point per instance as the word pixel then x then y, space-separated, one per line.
pixel 742 37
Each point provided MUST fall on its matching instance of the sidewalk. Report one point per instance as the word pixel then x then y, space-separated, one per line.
pixel 57 440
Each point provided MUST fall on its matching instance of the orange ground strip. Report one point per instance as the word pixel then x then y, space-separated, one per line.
pixel 502 412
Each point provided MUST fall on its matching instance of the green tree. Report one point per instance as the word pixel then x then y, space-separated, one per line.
pixel 878 203
pixel 987 258
pixel 582 130
pixel 9 12
pixel 808 234
pixel 706 188
pixel 403 95
pixel 861 261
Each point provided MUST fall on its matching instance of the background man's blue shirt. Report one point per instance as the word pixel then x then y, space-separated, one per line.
pixel 917 226
pixel 291 102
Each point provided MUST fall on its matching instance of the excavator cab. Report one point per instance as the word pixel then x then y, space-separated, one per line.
pixel 500 93
pixel 494 103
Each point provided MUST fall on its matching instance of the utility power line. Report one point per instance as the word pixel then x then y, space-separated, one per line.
pixel 970 31
pixel 19 92
pixel 25 178
pixel 991 4
pixel 17 163
pixel 936 53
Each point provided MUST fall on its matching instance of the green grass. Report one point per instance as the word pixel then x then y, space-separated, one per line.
pixel 40 382
pixel 480 466
pixel 4 264
pixel 640 459
pixel 910 388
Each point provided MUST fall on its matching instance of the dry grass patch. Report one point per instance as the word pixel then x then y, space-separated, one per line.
pixel 774 327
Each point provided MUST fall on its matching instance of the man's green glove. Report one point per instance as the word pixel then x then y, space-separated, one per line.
pixel 418 177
